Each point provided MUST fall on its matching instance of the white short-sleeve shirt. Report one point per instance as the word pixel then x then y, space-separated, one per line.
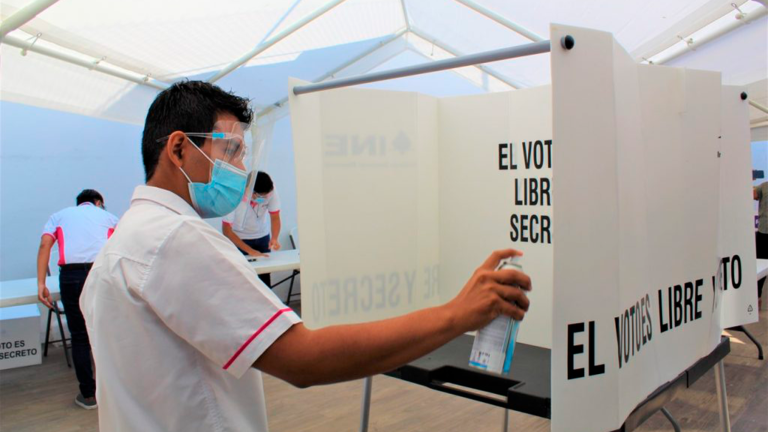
pixel 80 232
pixel 176 318
pixel 254 223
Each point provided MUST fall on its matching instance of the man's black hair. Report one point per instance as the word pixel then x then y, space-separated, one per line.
pixel 263 183
pixel 187 106
pixel 89 195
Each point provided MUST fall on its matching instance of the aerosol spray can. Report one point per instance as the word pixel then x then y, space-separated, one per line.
pixel 494 344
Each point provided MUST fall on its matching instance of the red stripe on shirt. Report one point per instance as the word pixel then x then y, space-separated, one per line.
pixel 110 232
pixel 60 238
pixel 274 212
pixel 258 332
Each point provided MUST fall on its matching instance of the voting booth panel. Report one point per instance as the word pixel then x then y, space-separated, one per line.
pixel 19 336
pixel 495 193
pixel 681 146
pixel 737 235
pixel 587 255
pixel 414 193
pixel 367 182
pixel 625 185
pixel 637 289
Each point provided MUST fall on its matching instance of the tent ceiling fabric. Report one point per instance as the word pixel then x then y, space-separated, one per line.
pixel 170 40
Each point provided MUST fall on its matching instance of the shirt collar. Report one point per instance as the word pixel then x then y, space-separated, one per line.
pixel 163 197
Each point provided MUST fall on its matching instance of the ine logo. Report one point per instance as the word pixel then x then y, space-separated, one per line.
pixel 401 143
pixel 749 309
pixel 366 145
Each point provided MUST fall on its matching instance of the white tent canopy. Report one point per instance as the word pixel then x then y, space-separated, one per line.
pixel 108 59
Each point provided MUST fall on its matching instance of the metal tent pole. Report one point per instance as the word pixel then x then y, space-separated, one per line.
pixel 452 51
pixel 94 64
pixel 517 28
pixel 439 65
pixel 23 16
pixel 759 106
pixel 338 69
pixel 405 15
pixel 260 48
pixel 691 44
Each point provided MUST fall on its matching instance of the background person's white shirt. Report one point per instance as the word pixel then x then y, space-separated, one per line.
pixel 256 223
pixel 80 232
pixel 176 318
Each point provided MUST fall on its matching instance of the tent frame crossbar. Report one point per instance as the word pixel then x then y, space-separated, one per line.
pixel 692 44
pixel 517 28
pixel 405 15
pixel 454 52
pixel 759 106
pixel 94 64
pixel 381 44
pixel 29 12
pixel 439 65
pixel 260 48
pixel 23 16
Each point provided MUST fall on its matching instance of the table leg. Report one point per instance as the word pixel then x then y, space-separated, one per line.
pixel 749 335
pixel 668 415
pixel 505 426
pixel 366 408
pixel 722 397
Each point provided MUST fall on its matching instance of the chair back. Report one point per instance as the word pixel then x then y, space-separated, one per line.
pixel 294 235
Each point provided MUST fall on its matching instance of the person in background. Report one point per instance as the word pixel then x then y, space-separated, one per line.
pixel 81 232
pixel 258 234
pixel 760 194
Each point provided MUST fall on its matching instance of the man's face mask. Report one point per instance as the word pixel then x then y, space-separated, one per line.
pixel 260 199
pixel 222 194
pixel 231 150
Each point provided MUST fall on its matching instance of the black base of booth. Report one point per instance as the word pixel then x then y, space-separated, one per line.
pixel 527 387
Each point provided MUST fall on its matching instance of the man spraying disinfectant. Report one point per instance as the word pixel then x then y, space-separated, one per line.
pixel 181 326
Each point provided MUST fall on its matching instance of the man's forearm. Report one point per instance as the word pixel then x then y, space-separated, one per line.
pixel 239 242
pixel 304 357
pixel 346 352
pixel 230 234
pixel 276 226
pixel 43 256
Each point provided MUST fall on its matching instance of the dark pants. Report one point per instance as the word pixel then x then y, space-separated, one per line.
pixel 261 245
pixel 71 281
pixel 761 246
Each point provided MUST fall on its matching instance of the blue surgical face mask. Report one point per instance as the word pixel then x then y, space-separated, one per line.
pixel 222 194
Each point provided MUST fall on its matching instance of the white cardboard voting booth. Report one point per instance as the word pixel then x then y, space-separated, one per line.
pixel 19 336
pixel 626 186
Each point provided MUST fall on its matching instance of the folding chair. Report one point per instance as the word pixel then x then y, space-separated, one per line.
pixel 294 236
pixel 63 339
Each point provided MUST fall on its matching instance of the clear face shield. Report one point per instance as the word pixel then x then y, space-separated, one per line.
pixel 232 142
pixel 234 162
pixel 240 145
